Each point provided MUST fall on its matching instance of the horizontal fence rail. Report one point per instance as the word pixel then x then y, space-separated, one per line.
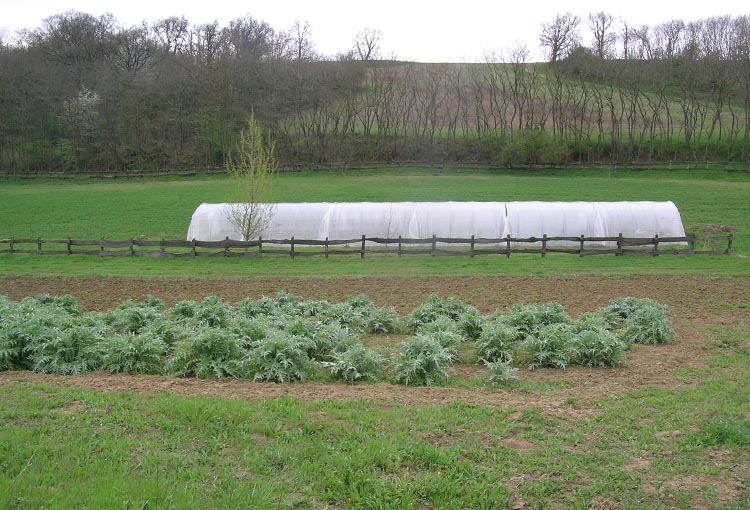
pixel 433 246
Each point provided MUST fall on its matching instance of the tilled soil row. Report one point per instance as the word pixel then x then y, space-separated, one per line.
pixel 696 306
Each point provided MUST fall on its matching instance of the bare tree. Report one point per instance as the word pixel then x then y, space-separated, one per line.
pixel 366 44
pixel 134 50
pixel 172 33
pixel 604 39
pixel 668 37
pixel 251 167
pixel 302 42
pixel 560 36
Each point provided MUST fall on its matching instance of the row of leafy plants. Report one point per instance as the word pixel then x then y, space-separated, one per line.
pixel 285 339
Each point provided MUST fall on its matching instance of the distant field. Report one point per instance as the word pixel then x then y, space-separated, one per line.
pixel 161 209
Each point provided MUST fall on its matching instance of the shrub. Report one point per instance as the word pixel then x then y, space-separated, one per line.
pixel 447 339
pixel 249 331
pixel 497 342
pixel 66 303
pixel 382 320
pixel 624 307
pixel 454 307
pixel 649 325
pixel 165 330
pixel 421 362
pixel 360 302
pixel 357 363
pixel 550 346
pixel 138 354
pixel 470 324
pixel 644 321
pixel 131 317
pixel 529 318
pixel 210 352
pixel 500 372
pixel 279 358
pixel 184 310
pixel 344 315
pixel 594 320
pixel 250 308
pixel 72 350
pixel 442 323
pixel 314 308
pixel 429 311
pixel 213 312
pixel 597 348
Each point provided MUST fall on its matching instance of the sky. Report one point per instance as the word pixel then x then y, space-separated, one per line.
pixel 423 31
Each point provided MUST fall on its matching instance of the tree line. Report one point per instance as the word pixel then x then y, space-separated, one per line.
pixel 82 93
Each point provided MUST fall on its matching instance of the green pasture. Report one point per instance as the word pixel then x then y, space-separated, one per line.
pixel 161 209
pixel 661 448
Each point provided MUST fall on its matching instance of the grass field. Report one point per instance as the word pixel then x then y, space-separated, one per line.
pixel 678 447
pixel 162 209
pixel 668 430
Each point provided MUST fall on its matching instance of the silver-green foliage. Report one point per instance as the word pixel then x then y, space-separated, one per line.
pixel 596 348
pixel 131 353
pixel 382 320
pixel 500 372
pixel 470 324
pixel 357 363
pixel 497 342
pixel 71 349
pixel 422 361
pixel 279 358
pixel 530 318
pixel 644 321
pixel 207 353
pixel 550 346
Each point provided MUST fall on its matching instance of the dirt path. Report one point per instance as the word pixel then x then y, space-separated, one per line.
pixel 696 306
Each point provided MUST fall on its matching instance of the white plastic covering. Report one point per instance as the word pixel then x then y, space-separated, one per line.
pixel 350 220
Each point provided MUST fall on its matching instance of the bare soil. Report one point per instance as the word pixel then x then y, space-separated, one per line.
pixel 696 304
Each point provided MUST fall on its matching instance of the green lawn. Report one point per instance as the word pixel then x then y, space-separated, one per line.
pixel 161 208
pixel 657 448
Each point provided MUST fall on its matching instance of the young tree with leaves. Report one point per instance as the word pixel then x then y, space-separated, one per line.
pixel 251 166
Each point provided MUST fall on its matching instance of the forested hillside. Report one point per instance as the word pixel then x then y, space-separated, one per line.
pixel 83 93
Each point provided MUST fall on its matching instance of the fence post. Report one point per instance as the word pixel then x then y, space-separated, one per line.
pixel 292 251
pixel 712 244
pixel 326 247
pixel 68 245
pixel 507 246
pixel 362 251
pixel 38 246
pixel 192 247
pixel 399 246
pixel 619 245
pixel 432 251
pixel 656 245
pixel 472 246
pixel 580 249
pixel 729 244
pixel 260 247
pixel 226 246
pixel 10 246
pixel 544 245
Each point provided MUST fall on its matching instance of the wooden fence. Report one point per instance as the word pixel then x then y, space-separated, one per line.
pixel 433 246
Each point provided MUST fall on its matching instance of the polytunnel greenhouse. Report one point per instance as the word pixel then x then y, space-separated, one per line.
pixel 420 220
